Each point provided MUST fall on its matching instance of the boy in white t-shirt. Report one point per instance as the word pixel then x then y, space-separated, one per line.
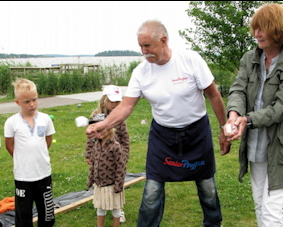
pixel 28 135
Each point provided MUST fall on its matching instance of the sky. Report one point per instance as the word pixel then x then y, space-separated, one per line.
pixel 85 27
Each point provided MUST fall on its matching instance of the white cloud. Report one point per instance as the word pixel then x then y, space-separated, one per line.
pixel 84 27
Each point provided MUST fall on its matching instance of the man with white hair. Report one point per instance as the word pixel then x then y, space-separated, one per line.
pixel 180 144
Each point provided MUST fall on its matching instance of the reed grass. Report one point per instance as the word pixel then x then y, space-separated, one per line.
pixel 67 82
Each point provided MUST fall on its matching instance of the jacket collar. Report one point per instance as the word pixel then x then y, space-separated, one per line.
pixel 257 54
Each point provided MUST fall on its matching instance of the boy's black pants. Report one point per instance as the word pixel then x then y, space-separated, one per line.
pixel 39 192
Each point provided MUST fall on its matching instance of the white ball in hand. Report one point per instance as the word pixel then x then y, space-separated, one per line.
pixel 81 121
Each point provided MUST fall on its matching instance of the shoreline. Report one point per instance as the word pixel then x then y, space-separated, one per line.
pixel 49 61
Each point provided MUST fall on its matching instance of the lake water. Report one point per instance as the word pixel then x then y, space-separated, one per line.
pixel 49 61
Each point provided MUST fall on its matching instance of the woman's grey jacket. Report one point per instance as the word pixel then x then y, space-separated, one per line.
pixel 241 99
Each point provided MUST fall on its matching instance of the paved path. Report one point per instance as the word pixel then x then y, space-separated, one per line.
pixel 58 100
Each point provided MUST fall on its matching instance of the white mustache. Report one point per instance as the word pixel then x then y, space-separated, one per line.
pixel 148 55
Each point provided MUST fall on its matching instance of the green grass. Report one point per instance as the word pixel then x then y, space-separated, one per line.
pixel 5 98
pixel 69 172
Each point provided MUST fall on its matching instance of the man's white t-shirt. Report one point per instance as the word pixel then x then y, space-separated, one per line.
pixel 31 157
pixel 175 89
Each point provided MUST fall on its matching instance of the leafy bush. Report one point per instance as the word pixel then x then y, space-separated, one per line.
pixel 65 83
pixel 42 81
pixel 132 66
pixel 223 80
pixel 52 84
pixel 91 81
pixel 4 78
pixel 112 74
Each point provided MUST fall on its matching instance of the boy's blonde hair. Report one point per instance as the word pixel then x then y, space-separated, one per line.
pixel 22 85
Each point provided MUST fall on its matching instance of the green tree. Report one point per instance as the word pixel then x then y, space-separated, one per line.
pixel 221 32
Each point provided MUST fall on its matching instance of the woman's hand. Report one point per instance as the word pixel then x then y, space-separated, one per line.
pixel 240 125
pixel 235 126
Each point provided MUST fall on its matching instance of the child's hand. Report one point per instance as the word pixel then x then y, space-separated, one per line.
pixel 88 161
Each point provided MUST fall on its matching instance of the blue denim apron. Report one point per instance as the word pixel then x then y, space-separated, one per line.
pixel 180 154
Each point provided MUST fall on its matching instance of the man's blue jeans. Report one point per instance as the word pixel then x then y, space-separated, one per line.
pixel 152 206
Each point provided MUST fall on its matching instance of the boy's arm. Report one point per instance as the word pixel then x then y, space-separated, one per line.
pixel 48 140
pixel 9 142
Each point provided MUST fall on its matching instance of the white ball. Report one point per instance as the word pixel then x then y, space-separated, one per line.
pixel 81 121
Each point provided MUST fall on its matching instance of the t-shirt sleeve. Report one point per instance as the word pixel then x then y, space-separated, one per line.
pixel 134 88
pixel 50 130
pixel 8 129
pixel 204 77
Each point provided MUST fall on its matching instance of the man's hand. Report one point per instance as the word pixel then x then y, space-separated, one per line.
pixel 96 130
pixel 225 145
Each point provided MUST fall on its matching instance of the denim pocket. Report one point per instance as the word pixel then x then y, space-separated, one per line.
pixel 40 131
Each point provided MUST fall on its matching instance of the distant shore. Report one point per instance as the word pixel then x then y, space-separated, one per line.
pixel 49 61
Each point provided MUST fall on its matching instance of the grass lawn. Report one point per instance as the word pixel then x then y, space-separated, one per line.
pixel 182 208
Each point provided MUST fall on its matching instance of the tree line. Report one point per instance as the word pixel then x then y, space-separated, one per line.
pixel 104 53
pixel 2 55
pixel 118 53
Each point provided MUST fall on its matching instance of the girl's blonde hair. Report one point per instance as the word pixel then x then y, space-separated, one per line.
pixel 269 18
pixel 102 106
pixel 110 133
pixel 22 85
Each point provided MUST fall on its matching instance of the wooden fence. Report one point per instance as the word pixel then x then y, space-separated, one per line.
pixel 84 68
pixel 58 68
